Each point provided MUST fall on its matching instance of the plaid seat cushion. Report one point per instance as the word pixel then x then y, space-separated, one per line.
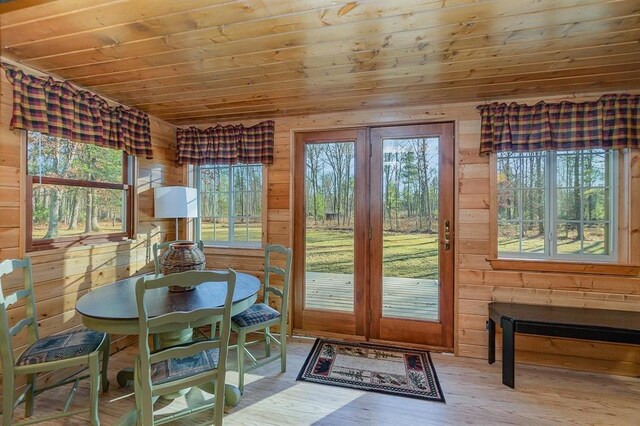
pixel 178 368
pixel 61 346
pixel 256 314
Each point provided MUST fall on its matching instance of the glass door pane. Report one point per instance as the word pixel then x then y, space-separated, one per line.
pixel 329 219
pixel 410 266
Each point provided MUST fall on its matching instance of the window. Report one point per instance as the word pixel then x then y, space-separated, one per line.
pixel 230 204
pixel 558 204
pixel 78 192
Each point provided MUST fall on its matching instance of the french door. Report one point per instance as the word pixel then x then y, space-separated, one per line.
pixel 374 233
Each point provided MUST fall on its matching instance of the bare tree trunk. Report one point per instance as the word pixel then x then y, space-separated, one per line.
pixel 576 195
pixel 73 219
pixel 88 212
pixel 94 213
pixel 52 229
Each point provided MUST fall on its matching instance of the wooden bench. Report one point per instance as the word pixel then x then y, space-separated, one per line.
pixel 556 321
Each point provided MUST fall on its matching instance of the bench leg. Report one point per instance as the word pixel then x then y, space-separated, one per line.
pixel 508 353
pixel 491 327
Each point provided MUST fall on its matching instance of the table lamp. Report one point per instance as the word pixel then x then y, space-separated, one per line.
pixel 176 202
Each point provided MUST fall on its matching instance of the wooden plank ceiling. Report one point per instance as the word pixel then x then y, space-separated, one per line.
pixel 203 61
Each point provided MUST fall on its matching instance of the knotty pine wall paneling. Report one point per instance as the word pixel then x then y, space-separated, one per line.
pixel 476 282
pixel 61 276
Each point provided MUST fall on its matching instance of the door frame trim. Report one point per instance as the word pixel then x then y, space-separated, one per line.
pixel 298 297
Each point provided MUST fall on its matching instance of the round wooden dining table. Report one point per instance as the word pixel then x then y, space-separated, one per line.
pixel 112 309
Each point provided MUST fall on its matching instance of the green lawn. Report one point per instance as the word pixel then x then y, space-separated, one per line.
pixel 106 227
pixel 222 232
pixel 408 255
pixel 592 245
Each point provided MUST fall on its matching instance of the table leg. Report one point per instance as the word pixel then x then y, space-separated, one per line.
pixel 508 353
pixel 491 328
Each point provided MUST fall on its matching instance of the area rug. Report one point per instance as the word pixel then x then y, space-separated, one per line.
pixel 375 368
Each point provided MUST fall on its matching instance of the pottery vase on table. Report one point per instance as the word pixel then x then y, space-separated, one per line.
pixel 180 257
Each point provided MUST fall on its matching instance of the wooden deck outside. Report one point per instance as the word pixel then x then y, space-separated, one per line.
pixel 402 297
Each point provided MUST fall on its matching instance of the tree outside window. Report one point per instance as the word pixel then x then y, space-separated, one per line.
pixel 230 204
pixel 557 204
pixel 78 192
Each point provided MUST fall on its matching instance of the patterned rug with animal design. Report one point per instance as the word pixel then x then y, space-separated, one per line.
pixel 370 367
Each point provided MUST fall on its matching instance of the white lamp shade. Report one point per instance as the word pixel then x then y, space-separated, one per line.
pixel 176 201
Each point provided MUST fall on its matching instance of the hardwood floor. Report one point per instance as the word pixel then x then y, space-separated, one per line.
pixel 472 388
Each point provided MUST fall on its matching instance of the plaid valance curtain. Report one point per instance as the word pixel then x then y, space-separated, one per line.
pixel 613 122
pixel 226 144
pixel 58 109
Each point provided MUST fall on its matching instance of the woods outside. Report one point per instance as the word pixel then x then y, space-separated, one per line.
pixel 580 190
pixel 410 207
pixel 62 210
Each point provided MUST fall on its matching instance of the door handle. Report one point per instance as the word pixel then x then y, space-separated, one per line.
pixel 447 235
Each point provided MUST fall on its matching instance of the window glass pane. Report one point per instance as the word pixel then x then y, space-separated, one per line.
pixel 596 238
pixel 568 202
pixel 65 211
pixel 568 169
pixel 584 203
pixel 231 198
pixel 49 156
pixel 596 204
pixel 508 237
pixel 507 199
pixel 580 186
pixel 71 205
pixel 595 168
pixel 533 204
pixel 569 239
pixel 521 202
pixel 533 237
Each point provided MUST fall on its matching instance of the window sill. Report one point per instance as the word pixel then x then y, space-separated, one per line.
pixel 563 266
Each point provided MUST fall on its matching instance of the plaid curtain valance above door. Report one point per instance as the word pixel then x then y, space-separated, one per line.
pixel 611 122
pixel 226 144
pixel 58 109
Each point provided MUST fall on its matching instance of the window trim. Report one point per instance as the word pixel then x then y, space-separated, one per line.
pixel 243 245
pixel 628 228
pixel 128 171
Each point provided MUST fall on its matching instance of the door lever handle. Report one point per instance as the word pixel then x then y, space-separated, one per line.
pixel 447 235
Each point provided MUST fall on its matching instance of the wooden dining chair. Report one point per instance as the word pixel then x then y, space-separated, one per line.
pixel 261 316
pixel 175 368
pixel 159 247
pixel 52 353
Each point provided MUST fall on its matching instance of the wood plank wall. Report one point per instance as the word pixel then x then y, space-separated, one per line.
pixel 61 276
pixel 476 283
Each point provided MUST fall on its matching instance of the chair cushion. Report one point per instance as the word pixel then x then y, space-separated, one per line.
pixel 256 314
pixel 61 346
pixel 178 368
